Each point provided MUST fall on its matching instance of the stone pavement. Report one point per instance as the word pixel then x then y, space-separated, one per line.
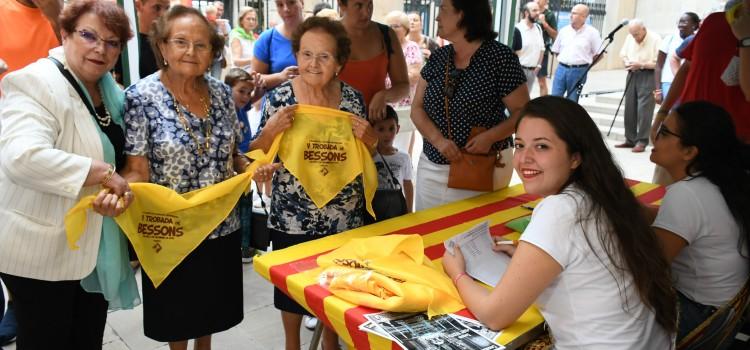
pixel 261 328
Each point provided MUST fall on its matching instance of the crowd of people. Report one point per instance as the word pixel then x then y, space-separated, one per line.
pixel 615 273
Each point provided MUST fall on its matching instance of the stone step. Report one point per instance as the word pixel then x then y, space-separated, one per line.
pixel 613 98
pixel 603 122
pixel 592 106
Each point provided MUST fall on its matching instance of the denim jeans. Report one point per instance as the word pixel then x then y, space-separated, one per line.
pixel 565 80
pixel 692 314
pixel 2 303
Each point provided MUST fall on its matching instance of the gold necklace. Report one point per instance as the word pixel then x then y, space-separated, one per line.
pixel 106 119
pixel 189 128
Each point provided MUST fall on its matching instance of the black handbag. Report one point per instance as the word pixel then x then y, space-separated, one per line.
pixel 387 203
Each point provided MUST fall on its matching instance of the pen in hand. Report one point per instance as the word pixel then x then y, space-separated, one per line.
pixel 513 242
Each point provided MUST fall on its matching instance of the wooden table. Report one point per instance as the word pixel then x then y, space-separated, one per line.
pixel 295 271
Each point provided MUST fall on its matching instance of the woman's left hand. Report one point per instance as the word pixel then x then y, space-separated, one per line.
pixel 377 107
pixel 107 203
pixel 480 144
pixel 363 131
pixel 454 264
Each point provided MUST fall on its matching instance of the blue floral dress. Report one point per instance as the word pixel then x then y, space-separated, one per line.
pixel 292 210
pixel 154 130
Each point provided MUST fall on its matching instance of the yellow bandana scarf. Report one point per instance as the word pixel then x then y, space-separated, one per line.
pixel 165 226
pixel 389 273
pixel 321 151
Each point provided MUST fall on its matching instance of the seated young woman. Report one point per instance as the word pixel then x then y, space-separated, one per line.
pixel 704 218
pixel 588 258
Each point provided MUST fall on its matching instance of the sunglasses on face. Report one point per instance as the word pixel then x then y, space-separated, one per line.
pixel 451 83
pixel 664 131
pixel 93 39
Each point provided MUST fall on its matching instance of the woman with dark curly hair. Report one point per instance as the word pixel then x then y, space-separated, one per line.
pixel 704 219
pixel 588 258
pixel 62 140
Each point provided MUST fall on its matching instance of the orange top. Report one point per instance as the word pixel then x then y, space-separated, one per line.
pixel 367 76
pixel 26 35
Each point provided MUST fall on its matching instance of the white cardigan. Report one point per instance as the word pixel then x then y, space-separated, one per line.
pixel 47 144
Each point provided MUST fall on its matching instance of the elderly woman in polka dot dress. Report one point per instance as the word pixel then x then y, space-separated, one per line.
pixel 480 78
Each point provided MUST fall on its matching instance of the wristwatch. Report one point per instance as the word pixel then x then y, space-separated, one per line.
pixel 744 42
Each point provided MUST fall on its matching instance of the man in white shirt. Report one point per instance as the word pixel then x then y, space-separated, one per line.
pixel 639 54
pixel 532 51
pixel 576 46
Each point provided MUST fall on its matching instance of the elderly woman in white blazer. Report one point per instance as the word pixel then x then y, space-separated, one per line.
pixel 59 144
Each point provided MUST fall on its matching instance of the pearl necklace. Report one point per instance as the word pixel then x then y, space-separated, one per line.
pixel 106 119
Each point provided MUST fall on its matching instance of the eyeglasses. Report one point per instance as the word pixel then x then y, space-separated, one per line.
pixel 395 26
pixel 451 84
pixel 664 131
pixel 308 56
pixel 93 39
pixel 184 45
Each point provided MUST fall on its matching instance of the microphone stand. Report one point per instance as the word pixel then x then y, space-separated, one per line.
pixel 579 84
pixel 627 85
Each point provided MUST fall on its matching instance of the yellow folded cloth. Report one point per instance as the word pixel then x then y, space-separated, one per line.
pixel 165 226
pixel 322 152
pixel 389 273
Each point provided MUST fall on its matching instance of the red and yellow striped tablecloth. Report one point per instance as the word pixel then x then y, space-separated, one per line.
pixel 295 271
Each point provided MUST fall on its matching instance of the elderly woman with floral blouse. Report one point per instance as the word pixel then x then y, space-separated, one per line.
pixel 182 133
pixel 321 47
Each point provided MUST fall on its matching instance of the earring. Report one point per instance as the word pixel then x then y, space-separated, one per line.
pixel 165 62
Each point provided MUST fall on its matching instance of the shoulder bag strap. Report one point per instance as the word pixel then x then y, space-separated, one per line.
pixel 73 82
pixel 398 184
pixel 445 98
pixel 386 38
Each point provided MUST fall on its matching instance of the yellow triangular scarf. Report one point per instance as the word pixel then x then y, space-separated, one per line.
pixel 321 151
pixel 165 227
pixel 389 273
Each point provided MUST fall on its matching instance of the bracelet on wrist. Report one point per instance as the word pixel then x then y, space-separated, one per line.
pixel 110 173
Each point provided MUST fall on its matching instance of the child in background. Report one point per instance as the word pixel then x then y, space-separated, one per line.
pixel 244 93
pixel 399 162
